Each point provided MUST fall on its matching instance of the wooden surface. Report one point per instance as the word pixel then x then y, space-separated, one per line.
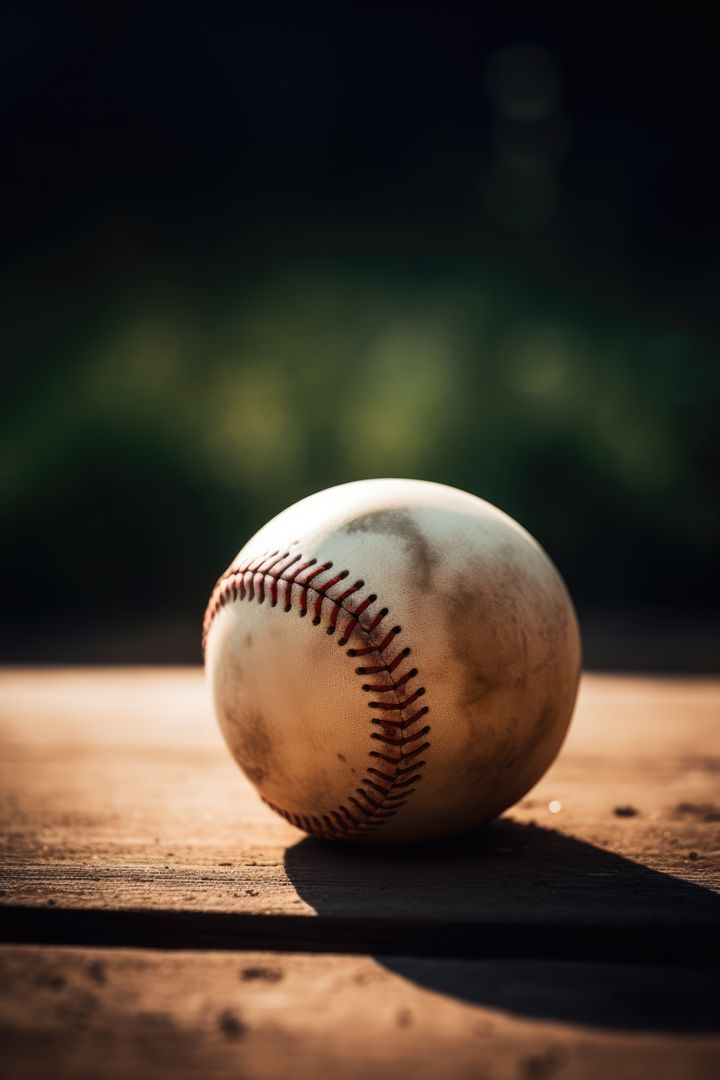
pixel 158 918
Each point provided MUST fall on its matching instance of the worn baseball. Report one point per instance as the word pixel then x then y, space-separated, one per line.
pixel 391 661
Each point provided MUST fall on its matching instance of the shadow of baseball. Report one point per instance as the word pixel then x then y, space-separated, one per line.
pixel 525 920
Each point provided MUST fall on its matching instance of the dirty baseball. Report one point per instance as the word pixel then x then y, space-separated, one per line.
pixel 392 661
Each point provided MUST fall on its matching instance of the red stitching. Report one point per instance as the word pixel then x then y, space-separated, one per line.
pixel 380 667
pixel 401 740
pixel 385 787
pixel 395 705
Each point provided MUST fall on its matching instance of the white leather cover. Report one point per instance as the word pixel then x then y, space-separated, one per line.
pixel 392 660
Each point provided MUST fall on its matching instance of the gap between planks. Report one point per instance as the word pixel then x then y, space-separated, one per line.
pixel 691 945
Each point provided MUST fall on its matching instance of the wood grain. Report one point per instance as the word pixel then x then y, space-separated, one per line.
pixel 127 1013
pixel 159 919
pixel 118 793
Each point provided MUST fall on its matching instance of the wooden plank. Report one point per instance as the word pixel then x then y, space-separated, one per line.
pixel 89 1013
pixel 117 793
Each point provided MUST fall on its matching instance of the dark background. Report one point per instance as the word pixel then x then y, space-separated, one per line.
pixel 247 256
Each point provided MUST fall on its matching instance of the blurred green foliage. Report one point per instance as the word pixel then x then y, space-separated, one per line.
pixel 251 254
pixel 142 452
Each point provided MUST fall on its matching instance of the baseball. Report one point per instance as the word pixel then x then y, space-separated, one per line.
pixel 392 661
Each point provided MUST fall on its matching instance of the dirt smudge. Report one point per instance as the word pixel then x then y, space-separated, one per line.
pixel 231 1025
pixel 253 743
pixel 708 812
pixel 401 524
pixel 261 974
pixel 96 971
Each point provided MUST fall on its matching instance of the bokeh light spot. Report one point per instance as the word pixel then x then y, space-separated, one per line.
pixel 523 81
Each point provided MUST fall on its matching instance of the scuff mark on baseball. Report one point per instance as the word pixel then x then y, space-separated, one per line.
pixel 392 661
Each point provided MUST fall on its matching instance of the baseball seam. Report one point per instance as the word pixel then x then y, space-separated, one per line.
pixel 400 741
